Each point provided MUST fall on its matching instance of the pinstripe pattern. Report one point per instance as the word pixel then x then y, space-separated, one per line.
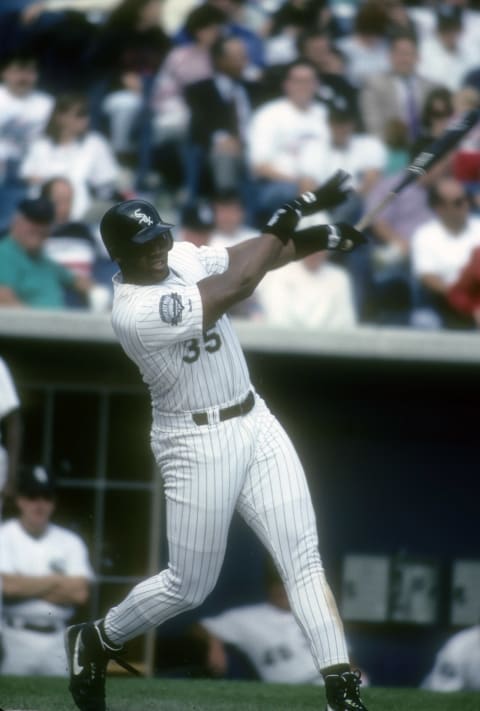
pixel 247 463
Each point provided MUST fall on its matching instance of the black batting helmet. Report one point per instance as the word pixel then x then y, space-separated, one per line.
pixel 130 224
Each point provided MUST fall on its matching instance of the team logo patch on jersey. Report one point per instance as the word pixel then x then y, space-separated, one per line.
pixel 171 308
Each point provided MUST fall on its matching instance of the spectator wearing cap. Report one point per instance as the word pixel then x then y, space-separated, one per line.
pixel 444 58
pixel 45 573
pixel 197 223
pixel 27 276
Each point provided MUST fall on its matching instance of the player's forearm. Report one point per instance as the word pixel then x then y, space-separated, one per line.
pixel 249 261
pixel 21 586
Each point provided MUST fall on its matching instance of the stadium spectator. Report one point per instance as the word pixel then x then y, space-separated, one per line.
pixel 236 25
pixel 441 248
pixel 27 276
pixel 230 220
pixel 309 294
pixel 366 48
pixel 437 112
pixel 335 89
pixel 11 428
pixel 444 59
pixel 24 112
pixel 457 663
pixel 45 574
pixel 466 160
pixel 196 223
pixel 220 109
pixel 399 92
pixel 128 52
pixel 387 294
pixel 183 65
pixel 464 295
pixel 362 155
pixel 286 24
pixel 60 38
pixel 72 245
pixel 68 148
pixel 280 132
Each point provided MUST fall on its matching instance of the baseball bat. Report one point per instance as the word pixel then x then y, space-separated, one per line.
pixel 427 157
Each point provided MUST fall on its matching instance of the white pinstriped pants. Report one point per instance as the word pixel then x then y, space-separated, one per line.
pixel 247 463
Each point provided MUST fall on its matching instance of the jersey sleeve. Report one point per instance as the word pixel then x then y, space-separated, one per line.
pixel 214 259
pixel 167 316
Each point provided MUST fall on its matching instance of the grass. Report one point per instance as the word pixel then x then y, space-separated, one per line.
pixel 44 694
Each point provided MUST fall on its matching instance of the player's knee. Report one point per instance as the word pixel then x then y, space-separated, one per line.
pixel 190 593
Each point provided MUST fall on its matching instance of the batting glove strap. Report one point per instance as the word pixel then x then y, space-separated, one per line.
pixel 339 237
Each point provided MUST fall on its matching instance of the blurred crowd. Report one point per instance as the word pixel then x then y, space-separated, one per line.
pixel 218 112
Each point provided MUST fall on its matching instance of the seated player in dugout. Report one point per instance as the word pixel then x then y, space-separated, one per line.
pixel 217 445
pixel 266 633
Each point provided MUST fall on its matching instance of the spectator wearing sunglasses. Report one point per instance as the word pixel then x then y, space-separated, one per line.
pixel 441 248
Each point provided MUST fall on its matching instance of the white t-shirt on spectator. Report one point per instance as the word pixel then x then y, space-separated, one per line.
pixel 22 119
pixel 280 132
pixel 436 251
pixel 296 297
pixel 363 152
pixel 85 163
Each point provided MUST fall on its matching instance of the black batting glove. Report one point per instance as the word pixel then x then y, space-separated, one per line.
pixel 284 221
pixel 332 193
pixel 339 237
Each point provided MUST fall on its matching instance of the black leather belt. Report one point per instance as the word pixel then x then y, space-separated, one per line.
pixel 201 418
pixel 22 625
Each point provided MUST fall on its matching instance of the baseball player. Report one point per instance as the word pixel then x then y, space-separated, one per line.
pixel 216 443
pixel 44 574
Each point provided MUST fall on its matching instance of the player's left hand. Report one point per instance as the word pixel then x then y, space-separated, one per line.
pixel 330 194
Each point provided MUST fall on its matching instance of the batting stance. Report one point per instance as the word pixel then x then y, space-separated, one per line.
pixel 217 445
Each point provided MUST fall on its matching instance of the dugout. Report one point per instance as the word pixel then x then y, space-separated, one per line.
pixel 384 420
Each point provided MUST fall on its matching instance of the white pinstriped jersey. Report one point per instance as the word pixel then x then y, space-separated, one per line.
pixel 160 329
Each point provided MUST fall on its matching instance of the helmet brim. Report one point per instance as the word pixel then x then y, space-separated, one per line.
pixel 150 233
